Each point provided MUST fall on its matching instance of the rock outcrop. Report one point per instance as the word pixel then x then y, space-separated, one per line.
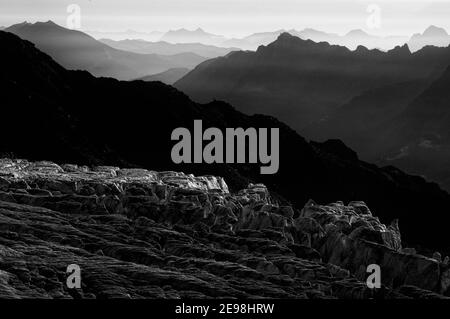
pixel 137 233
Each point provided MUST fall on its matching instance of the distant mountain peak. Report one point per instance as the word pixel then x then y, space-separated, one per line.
pixel 184 30
pixel 192 36
pixel 310 30
pixel 286 39
pixel 357 33
pixel 432 36
pixel 38 24
pixel 285 35
pixel 433 31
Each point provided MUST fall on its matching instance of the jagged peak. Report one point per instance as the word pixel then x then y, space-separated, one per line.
pixel 285 35
pixel 401 49
pixel 37 24
pixel 287 39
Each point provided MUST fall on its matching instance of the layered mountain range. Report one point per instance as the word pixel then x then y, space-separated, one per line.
pixel 79 51
pixel 326 91
pixel 301 81
pixel 351 39
pixel 194 36
pixel 134 57
pixel 71 116
pixel 166 48
pixel 151 36
pixel 431 36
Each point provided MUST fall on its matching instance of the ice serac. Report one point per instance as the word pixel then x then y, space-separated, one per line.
pixel 352 238
pixel 138 233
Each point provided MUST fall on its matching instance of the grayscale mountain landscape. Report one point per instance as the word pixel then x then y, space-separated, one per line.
pixel 91 96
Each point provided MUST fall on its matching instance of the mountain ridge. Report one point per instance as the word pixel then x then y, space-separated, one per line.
pixel 300 81
pixel 166 48
pixel 77 50
pixel 419 137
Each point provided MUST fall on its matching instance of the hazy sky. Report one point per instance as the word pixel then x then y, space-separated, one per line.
pixel 234 17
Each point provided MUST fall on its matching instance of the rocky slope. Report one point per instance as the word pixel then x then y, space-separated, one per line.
pixel 137 233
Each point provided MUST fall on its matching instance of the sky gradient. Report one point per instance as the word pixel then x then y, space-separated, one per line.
pixel 234 17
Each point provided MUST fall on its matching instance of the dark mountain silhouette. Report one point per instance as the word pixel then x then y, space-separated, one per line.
pixel 165 48
pixel 431 36
pixel 71 116
pixel 300 81
pixel 168 77
pixel 78 51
